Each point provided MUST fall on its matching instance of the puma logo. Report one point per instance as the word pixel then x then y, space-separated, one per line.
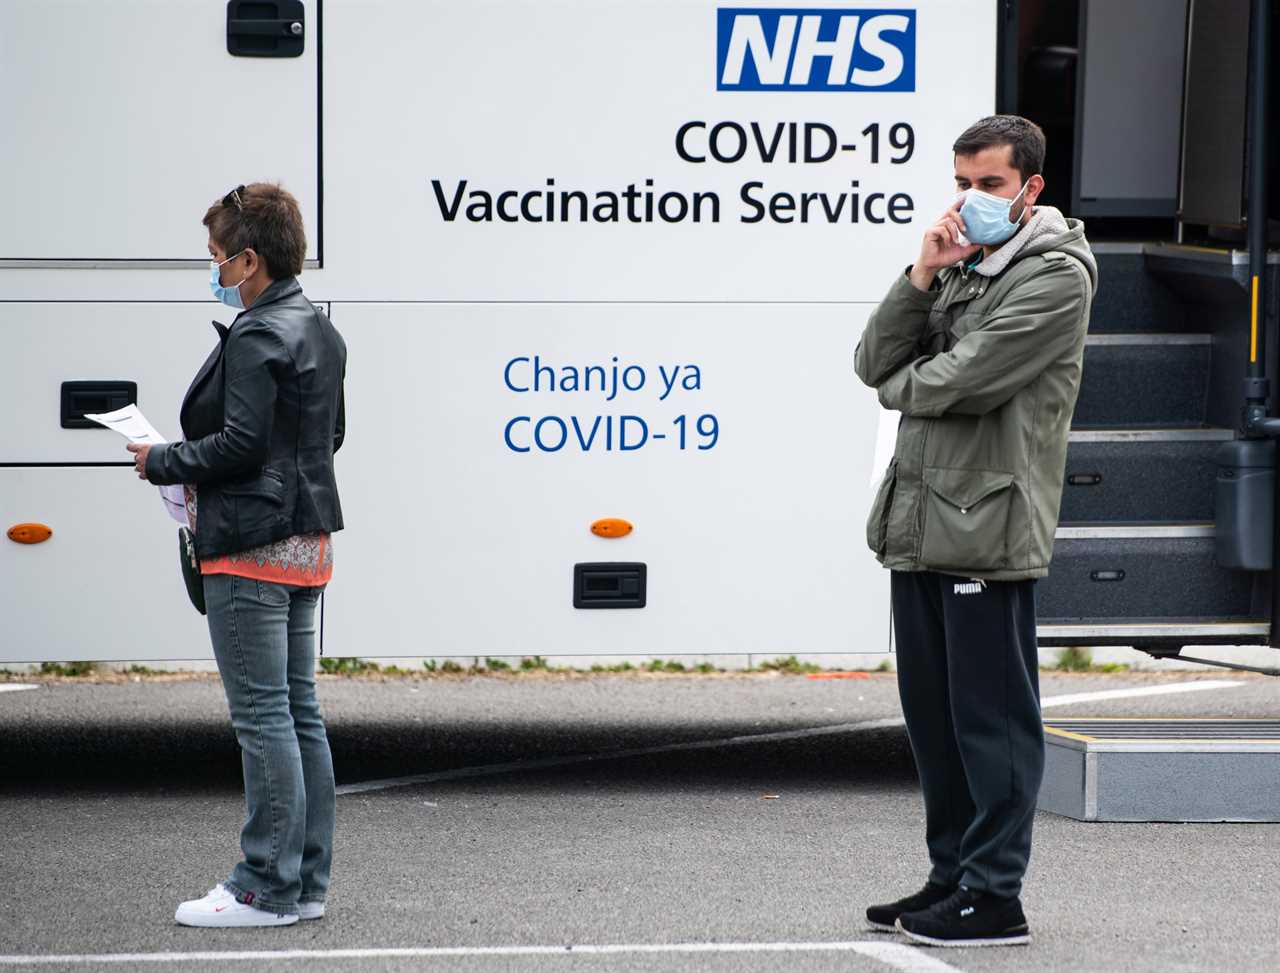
pixel 971 588
pixel 966 911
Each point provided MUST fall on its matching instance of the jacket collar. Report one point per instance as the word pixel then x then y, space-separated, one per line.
pixel 1045 221
pixel 206 368
pixel 277 290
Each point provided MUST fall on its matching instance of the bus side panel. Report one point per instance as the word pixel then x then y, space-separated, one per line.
pixel 460 541
pixel 158 346
pixel 455 131
pixel 117 138
pixel 106 585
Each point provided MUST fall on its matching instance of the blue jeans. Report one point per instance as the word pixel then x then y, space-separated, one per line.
pixel 264 640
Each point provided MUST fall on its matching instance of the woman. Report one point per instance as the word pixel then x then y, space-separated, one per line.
pixel 261 422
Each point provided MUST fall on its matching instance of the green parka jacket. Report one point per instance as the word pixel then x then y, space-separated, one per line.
pixel 985 369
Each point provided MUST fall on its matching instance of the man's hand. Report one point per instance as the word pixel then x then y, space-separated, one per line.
pixel 941 247
pixel 139 458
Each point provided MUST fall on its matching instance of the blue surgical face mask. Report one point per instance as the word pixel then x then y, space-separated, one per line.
pixel 986 217
pixel 230 296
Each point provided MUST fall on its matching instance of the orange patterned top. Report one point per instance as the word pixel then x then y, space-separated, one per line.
pixel 305 560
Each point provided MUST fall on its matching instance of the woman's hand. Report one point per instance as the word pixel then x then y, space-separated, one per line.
pixel 139 458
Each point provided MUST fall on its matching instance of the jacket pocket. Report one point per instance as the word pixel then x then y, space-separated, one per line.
pixel 878 519
pixel 267 485
pixel 256 504
pixel 966 519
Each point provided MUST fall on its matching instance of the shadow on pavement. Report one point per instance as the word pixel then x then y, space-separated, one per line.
pixel 64 755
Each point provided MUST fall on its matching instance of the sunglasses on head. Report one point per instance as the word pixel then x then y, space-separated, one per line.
pixel 233 199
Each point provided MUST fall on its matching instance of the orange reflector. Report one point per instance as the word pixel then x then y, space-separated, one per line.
pixel 611 527
pixel 30 533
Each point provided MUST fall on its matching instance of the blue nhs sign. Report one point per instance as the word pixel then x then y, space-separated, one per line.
pixel 782 49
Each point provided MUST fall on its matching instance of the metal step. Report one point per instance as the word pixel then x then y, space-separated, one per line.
pixel 1159 475
pixel 1144 381
pixel 1129 299
pixel 1151 572
pixel 1162 770
pixel 1130 531
pixel 1139 631
pixel 1175 732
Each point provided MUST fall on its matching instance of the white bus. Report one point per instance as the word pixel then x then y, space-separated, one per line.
pixel 593 260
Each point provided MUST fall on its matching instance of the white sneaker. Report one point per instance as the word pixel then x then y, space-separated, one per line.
pixel 310 910
pixel 219 909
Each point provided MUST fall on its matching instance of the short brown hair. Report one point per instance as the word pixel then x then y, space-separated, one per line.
pixel 1025 137
pixel 265 217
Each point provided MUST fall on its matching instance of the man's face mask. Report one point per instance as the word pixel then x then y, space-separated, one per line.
pixel 986 217
pixel 230 296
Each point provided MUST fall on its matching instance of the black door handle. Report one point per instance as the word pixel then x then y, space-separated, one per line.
pixel 265 28
pixel 81 397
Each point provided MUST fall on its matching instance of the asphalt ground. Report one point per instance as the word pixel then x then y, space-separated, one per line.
pixel 749 824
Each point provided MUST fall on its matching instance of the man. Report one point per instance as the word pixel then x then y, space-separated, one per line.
pixel 979 345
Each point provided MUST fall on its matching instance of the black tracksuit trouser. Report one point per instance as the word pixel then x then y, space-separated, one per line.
pixel 968 679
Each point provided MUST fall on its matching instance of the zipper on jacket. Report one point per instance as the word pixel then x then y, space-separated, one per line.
pixel 886 514
pixel 920 494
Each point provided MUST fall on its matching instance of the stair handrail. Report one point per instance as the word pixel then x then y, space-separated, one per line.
pixel 1257 424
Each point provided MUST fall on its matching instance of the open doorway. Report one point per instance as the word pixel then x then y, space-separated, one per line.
pixel 1144 105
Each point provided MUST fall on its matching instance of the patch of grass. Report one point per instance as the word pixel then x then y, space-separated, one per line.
pixel 1074 659
pixel 489 665
pixel 1081 660
pixel 347 666
pixel 142 671
pixel 790 666
pixel 1112 667
pixel 661 665
pixel 72 669
pixel 448 667
pixel 621 667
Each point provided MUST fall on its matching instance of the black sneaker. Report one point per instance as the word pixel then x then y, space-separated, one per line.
pixel 968 918
pixel 884 916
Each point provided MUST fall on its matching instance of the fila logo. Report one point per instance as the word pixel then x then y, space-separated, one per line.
pixel 802 49
pixel 971 588
pixel 966 911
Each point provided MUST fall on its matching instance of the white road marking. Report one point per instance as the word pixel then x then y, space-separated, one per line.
pixel 15 687
pixel 896 955
pixel 1180 687
pixel 542 763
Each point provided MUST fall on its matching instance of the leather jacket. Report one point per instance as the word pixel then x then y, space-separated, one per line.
pixel 262 420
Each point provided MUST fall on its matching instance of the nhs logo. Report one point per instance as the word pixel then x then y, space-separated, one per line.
pixel 781 49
